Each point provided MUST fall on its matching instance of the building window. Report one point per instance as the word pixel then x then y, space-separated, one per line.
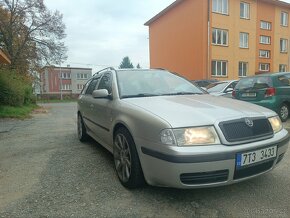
pixel 284 19
pixel 244 10
pixel 219 68
pixel 264 53
pixel 264 67
pixel 220 6
pixel 243 69
pixel 219 37
pixel 265 25
pixel 244 40
pixel 65 75
pixel 265 40
pixel 80 86
pixel 283 45
pixel 82 76
pixel 66 87
pixel 282 68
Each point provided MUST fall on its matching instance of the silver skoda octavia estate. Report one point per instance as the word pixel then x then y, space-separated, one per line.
pixel 163 130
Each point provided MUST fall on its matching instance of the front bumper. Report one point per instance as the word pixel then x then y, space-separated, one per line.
pixel 204 166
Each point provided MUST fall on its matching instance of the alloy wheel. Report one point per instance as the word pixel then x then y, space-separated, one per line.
pixel 122 157
pixel 284 112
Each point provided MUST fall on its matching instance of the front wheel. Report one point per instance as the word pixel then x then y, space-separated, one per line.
pixel 82 132
pixel 127 163
pixel 283 112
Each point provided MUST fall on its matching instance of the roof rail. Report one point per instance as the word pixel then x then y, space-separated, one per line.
pixel 108 68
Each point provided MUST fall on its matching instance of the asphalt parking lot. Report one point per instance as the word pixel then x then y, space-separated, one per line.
pixel 46 172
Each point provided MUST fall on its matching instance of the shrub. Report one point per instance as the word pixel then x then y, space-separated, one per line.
pixel 15 89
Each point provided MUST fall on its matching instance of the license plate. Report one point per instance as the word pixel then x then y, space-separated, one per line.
pixel 249 94
pixel 257 156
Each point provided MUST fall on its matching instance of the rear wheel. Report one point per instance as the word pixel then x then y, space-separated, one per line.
pixel 127 163
pixel 82 132
pixel 283 112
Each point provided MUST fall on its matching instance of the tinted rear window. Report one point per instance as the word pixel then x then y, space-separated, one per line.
pixel 260 82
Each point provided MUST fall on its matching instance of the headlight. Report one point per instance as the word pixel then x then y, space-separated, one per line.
pixel 167 137
pixel 276 124
pixel 190 136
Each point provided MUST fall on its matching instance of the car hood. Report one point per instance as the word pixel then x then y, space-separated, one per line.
pixel 195 110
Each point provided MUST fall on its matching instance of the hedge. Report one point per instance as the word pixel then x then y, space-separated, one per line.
pixel 15 89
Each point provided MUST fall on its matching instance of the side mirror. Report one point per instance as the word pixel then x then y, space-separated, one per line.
pixel 229 90
pixel 101 93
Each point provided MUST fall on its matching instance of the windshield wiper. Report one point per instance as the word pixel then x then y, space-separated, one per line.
pixel 140 95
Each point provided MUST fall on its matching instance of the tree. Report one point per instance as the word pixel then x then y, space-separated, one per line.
pixel 138 66
pixel 126 63
pixel 31 34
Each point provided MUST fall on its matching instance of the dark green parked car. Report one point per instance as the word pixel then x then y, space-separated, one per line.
pixel 271 90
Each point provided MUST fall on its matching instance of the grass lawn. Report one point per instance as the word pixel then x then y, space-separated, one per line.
pixel 56 100
pixel 16 112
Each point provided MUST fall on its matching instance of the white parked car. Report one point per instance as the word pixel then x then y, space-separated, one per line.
pixel 222 88
pixel 163 130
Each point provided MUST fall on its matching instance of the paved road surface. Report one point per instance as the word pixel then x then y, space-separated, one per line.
pixel 46 172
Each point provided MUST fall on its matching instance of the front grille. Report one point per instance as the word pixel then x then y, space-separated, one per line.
pixel 238 130
pixel 253 170
pixel 204 177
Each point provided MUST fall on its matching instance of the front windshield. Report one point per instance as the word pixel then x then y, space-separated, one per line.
pixel 216 87
pixel 142 83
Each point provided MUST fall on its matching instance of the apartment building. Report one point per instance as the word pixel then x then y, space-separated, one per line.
pixel 221 39
pixel 66 81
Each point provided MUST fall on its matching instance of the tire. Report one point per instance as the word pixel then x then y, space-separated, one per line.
pixel 127 163
pixel 283 112
pixel 82 132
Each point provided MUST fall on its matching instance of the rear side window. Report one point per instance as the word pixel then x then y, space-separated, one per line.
pixel 260 82
pixel 284 80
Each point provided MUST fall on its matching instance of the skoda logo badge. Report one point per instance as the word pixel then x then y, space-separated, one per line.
pixel 249 122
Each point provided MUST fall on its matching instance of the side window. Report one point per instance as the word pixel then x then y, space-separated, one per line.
pixel 92 86
pixel 85 87
pixel 284 81
pixel 106 83
pixel 231 86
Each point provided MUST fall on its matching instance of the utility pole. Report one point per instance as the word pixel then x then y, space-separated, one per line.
pixel 60 76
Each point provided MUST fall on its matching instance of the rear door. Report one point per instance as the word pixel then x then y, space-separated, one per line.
pixel 86 104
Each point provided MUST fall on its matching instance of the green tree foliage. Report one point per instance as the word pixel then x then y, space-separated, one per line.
pixel 15 88
pixel 31 35
pixel 138 66
pixel 126 63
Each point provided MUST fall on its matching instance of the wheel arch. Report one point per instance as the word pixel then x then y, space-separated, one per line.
pixel 119 125
pixel 287 103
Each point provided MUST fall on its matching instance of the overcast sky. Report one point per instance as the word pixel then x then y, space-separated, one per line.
pixel 101 32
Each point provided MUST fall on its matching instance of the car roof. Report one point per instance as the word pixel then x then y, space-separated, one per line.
pixel 274 74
